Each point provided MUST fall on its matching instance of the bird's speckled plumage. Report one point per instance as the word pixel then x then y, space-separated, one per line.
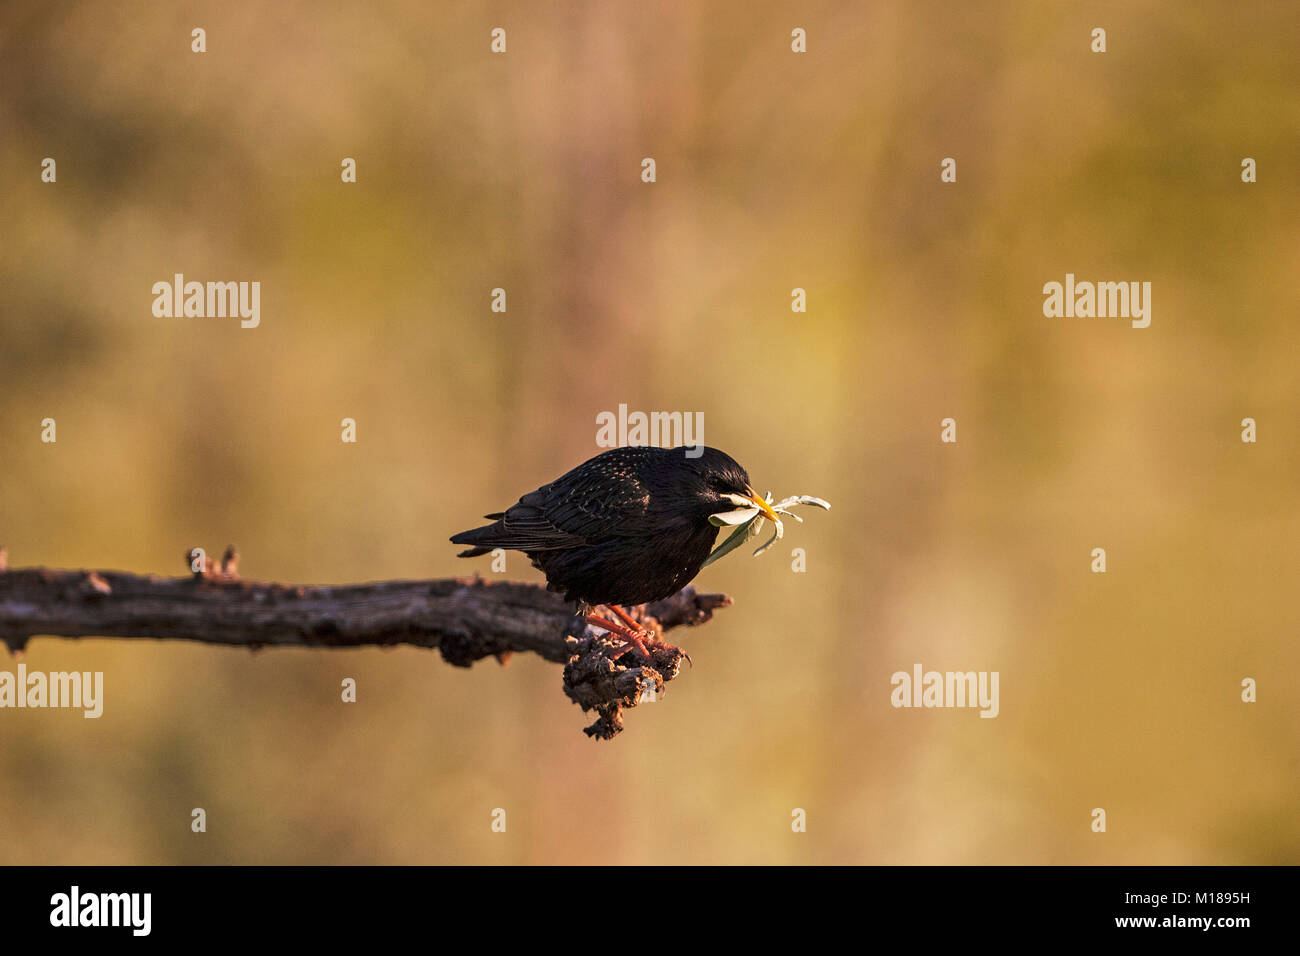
pixel 626 527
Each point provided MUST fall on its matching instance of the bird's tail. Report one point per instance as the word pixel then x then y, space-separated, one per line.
pixel 481 538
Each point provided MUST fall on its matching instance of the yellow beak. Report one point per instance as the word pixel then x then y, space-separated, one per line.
pixel 762 505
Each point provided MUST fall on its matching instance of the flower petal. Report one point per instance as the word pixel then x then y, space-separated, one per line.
pixel 739 516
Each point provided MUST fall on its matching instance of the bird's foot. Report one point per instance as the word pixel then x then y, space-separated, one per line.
pixel 650 638
pixel 633 634
pixel 631 638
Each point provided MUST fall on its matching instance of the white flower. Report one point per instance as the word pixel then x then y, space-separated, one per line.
pixel 749 522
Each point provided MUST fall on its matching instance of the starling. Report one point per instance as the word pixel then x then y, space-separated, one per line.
pixel 625 528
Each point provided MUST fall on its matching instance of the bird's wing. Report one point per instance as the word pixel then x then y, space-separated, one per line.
pixel 526 526
pixel 603 497
pixel 595 507
pixel 598 499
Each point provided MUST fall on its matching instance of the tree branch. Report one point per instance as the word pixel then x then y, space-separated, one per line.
pixel 466 619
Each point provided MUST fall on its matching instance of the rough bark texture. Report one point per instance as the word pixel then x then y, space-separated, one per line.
pixel 466 619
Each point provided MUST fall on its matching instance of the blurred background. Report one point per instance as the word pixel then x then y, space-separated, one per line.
pixel 774 171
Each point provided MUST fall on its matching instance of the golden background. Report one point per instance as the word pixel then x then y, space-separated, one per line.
pixel 775 171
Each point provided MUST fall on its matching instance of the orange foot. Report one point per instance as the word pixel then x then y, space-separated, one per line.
pixel 632 633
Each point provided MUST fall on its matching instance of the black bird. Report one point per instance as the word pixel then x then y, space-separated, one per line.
pixel 625 528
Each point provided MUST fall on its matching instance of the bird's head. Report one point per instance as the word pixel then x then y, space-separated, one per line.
pixel 724 491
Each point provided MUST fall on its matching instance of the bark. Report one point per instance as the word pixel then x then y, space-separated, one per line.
pixel 466 619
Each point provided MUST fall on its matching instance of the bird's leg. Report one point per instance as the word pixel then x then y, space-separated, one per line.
pixel 635 638
pixel 628 619
pixel 633 634
pixel 647 637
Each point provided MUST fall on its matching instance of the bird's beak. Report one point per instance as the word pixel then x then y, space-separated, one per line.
pixel 762 505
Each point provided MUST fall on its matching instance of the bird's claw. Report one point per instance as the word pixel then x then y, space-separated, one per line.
pixel 633 635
